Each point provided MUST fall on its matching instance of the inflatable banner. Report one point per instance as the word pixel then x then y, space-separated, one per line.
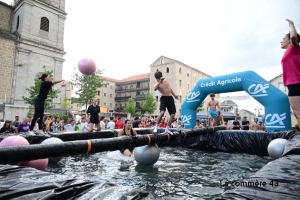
pixel 276 103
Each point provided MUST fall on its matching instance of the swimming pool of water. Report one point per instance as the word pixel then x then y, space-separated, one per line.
pixel 180 173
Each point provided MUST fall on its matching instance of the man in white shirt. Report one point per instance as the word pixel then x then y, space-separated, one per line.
pixel 84 124
pixel 111 124
pixel 71 126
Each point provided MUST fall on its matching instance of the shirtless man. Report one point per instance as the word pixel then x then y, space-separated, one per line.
pixel 219 119
pixel 255 125
pixel 212 105
pixel 198 124
pixel 166 100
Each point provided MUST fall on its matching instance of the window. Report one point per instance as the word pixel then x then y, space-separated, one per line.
pixel 167 70
pixel 179 70
pixel 194 76
pixel 105 85
pixel 44 24
pixel 120 105
pixel 110 105
pixel 162 61
pixel 18 21
pixel 98 93
pixel 188 86
pixel 104 103
pixel 104 94
pixel 110 95
pixel 180 99
pixel 180 83
pixel 71 106
pixel 125 104
pixel 98 102
pixel 111 87
pixel 188 74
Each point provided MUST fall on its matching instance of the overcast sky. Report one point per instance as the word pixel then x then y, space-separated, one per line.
pixel 217 37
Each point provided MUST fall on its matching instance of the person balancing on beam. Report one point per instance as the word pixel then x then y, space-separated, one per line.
pixel 166 100
pixel 211 109
pixel 39 102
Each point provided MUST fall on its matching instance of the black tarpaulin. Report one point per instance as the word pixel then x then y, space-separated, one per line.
pixel 28 183
pixel 251 142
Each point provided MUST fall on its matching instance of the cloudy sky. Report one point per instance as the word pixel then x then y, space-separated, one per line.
pixel 217 37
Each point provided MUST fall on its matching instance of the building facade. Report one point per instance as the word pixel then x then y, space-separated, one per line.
pixel 229 106
pixel 278 82
pixel 182 79
pixel 32 34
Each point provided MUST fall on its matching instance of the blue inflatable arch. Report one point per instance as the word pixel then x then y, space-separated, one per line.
pixel 276 103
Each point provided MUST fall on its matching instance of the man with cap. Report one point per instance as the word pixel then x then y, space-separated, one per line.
pixel 16 123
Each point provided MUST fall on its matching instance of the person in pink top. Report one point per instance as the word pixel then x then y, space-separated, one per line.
pixel 291 67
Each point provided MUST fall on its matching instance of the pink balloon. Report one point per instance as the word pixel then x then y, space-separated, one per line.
pixel 13 141
pixel 87 66
pixel 40 164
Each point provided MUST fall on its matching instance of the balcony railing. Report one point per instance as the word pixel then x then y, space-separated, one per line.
pixel 118 109
pixel 141 96
pixel 122 98
pixel 123 89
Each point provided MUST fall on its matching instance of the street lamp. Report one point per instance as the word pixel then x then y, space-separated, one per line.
pixel 258 109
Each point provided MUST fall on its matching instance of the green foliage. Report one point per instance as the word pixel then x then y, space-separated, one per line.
pixel 60 115
pixel 35 89
pixel 130 108
pixel 65 104
pixel 149 104
pixel 30 113
pixel 87 86
pixel 200 107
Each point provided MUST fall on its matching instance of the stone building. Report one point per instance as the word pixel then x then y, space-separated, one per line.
pixel 182 79
pixel 32 34
pixel 278 82
pixel 135 87
pixel 229 106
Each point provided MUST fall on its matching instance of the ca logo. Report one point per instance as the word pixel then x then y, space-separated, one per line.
pixel 192 96
pixel 275 120
pixel 186 119
pixel 259 90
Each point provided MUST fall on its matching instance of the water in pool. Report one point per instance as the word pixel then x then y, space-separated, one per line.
pixel 180 173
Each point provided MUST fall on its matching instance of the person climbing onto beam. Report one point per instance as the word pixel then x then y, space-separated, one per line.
pixel 166 100
pixel 211 109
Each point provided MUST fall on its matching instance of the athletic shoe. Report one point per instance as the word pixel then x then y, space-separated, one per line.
pixel 30 133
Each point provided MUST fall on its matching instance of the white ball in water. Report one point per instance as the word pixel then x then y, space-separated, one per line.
pixel 276 147
pixel 146 155
pixel 53 140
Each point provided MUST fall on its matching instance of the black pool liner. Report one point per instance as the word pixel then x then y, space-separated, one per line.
pixel 28 183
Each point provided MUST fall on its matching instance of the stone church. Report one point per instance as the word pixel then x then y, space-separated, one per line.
pixel 31 36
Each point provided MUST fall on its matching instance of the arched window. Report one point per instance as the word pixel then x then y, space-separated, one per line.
pixel 162 61
pixel 44 24
pixel 179 70
pixel 18 21
pixel 167 70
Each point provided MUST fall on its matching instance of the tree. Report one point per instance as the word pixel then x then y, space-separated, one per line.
pixel 149 104
pixel 35 89
pixel 130 108
pixel 87 86
pixel 65 104
pixel 200 107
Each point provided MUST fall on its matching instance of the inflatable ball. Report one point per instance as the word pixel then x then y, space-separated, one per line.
pixel 276 147
pixel 146 155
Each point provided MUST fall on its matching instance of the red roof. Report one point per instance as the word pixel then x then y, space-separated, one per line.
pixel 131 78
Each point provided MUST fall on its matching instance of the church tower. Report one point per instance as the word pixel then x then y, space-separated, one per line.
pixel 39 25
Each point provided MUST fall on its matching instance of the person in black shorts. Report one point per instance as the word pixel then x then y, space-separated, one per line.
pixel 127 131
pixel 39 102
pixel 236 124
pixel 94 111
pixel 166 100
pixel 245 124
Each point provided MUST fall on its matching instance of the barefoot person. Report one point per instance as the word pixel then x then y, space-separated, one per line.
pixel 291 68
pixel 94 111
pixel 127 131
pixel 211 109
pixel 39 102
pixel 166 100
pixel 219 119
